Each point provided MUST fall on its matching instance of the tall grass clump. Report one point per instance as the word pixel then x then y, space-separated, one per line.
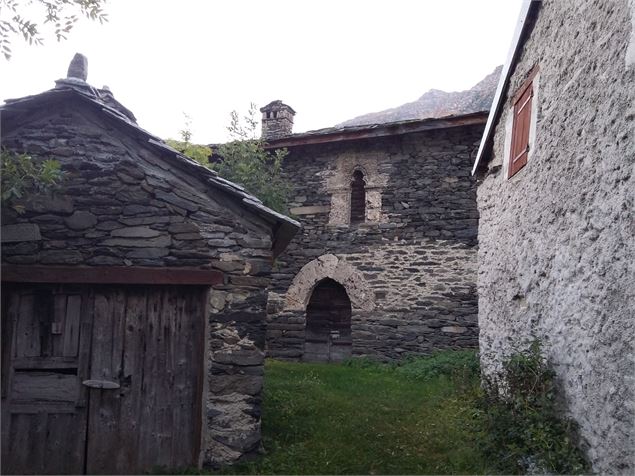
pixel 459 365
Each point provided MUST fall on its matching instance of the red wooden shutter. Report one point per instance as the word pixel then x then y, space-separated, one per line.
pixel 520 130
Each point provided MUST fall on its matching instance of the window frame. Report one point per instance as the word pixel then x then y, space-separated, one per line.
pixel 362 176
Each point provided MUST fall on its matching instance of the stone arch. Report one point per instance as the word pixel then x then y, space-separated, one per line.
pixel 363 170
pixel 329 266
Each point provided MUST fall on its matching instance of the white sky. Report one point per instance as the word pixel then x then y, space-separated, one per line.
pixel 329 60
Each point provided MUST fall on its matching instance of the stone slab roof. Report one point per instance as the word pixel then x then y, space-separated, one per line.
pixel 337 134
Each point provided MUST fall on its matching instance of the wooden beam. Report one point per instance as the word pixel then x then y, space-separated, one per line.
pixel 110 275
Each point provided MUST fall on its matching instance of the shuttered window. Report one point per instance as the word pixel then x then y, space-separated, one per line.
pixel 358 198
pixel 521 124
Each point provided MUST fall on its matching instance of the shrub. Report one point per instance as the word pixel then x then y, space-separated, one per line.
pixel 23 177
pixel 523 429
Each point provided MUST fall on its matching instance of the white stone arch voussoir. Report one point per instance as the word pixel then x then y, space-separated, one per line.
pixel 329 266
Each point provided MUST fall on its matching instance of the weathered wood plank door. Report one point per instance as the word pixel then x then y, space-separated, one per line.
pixel 101 379
pixel 328 324
pixel 45 331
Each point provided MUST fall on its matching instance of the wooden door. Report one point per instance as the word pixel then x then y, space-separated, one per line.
pixel 328 324
pixel 45 333
pixel 102 379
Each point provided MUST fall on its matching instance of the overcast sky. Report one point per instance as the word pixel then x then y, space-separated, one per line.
pixel 329 60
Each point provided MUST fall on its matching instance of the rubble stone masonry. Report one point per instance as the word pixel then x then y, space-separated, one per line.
pixel 410 269
pixel 556 241
pixel 123 205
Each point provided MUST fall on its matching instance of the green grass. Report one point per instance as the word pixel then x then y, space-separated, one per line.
pixel 366 418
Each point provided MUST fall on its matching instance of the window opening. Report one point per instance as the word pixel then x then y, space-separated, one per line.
pixel 358 198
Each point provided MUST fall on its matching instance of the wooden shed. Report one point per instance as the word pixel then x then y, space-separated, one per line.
pixel 133 301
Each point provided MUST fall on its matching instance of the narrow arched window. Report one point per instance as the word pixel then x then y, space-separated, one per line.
pixel 358 198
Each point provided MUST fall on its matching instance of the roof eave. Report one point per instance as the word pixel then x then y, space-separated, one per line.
pixel 378 130
pixel 528 10
pixel 284 228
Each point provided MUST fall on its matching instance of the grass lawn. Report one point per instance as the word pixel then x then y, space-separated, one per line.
pixel 366 419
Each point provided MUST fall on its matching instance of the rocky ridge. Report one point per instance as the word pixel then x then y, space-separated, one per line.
pixel 436 103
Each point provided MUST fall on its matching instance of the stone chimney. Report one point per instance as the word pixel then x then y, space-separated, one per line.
pixel 277 120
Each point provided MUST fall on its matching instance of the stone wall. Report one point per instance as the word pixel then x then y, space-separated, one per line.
pixel 121 204
pixel 556 240
pixel 410 270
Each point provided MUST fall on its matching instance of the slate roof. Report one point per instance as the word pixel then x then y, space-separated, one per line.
pixel 336 134
pixel 284 228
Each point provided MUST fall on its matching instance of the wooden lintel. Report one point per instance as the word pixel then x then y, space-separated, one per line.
pixel 109 275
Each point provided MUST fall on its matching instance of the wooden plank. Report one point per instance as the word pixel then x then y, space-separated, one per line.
pixel 149 425
pixel 85 342
pixel 71 326
pixel 118 305
pixel 102 418
pixel 10 306
pixel 27 342
pixel 44 385
pixel 181 389
pixel 37 443
pixel 17 458
pixel 58 324
pixel 166 400
pixel 110 275
pixel 43 314
pixel 44 363
pixel 64 449
pixel 132 403
pixel 195 319
pixel 42 407
pixel 132 361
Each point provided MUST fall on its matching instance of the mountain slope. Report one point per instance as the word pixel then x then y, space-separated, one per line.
pixel 436 103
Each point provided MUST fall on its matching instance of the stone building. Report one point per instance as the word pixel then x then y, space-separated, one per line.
pixel 385 263
pixel 133 301
pixel 556 199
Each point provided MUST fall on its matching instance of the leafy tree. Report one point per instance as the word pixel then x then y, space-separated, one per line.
pixel 22 177
pixel 61 15
pixel 245 160
pixel 200 153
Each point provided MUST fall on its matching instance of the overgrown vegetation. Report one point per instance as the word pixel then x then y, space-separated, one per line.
pixel 366 418
pixel 200 153
pixel 522 427
pixel 23 177
pixel 460 365
pixel 244 160
pixel 426 415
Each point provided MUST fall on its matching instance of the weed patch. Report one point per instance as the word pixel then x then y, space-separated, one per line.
pixel 522 427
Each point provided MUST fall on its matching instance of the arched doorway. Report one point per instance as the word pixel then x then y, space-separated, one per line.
pixel 328 323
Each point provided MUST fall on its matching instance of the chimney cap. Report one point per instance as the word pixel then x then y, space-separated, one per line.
pixel 276 105
pixel 78 69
